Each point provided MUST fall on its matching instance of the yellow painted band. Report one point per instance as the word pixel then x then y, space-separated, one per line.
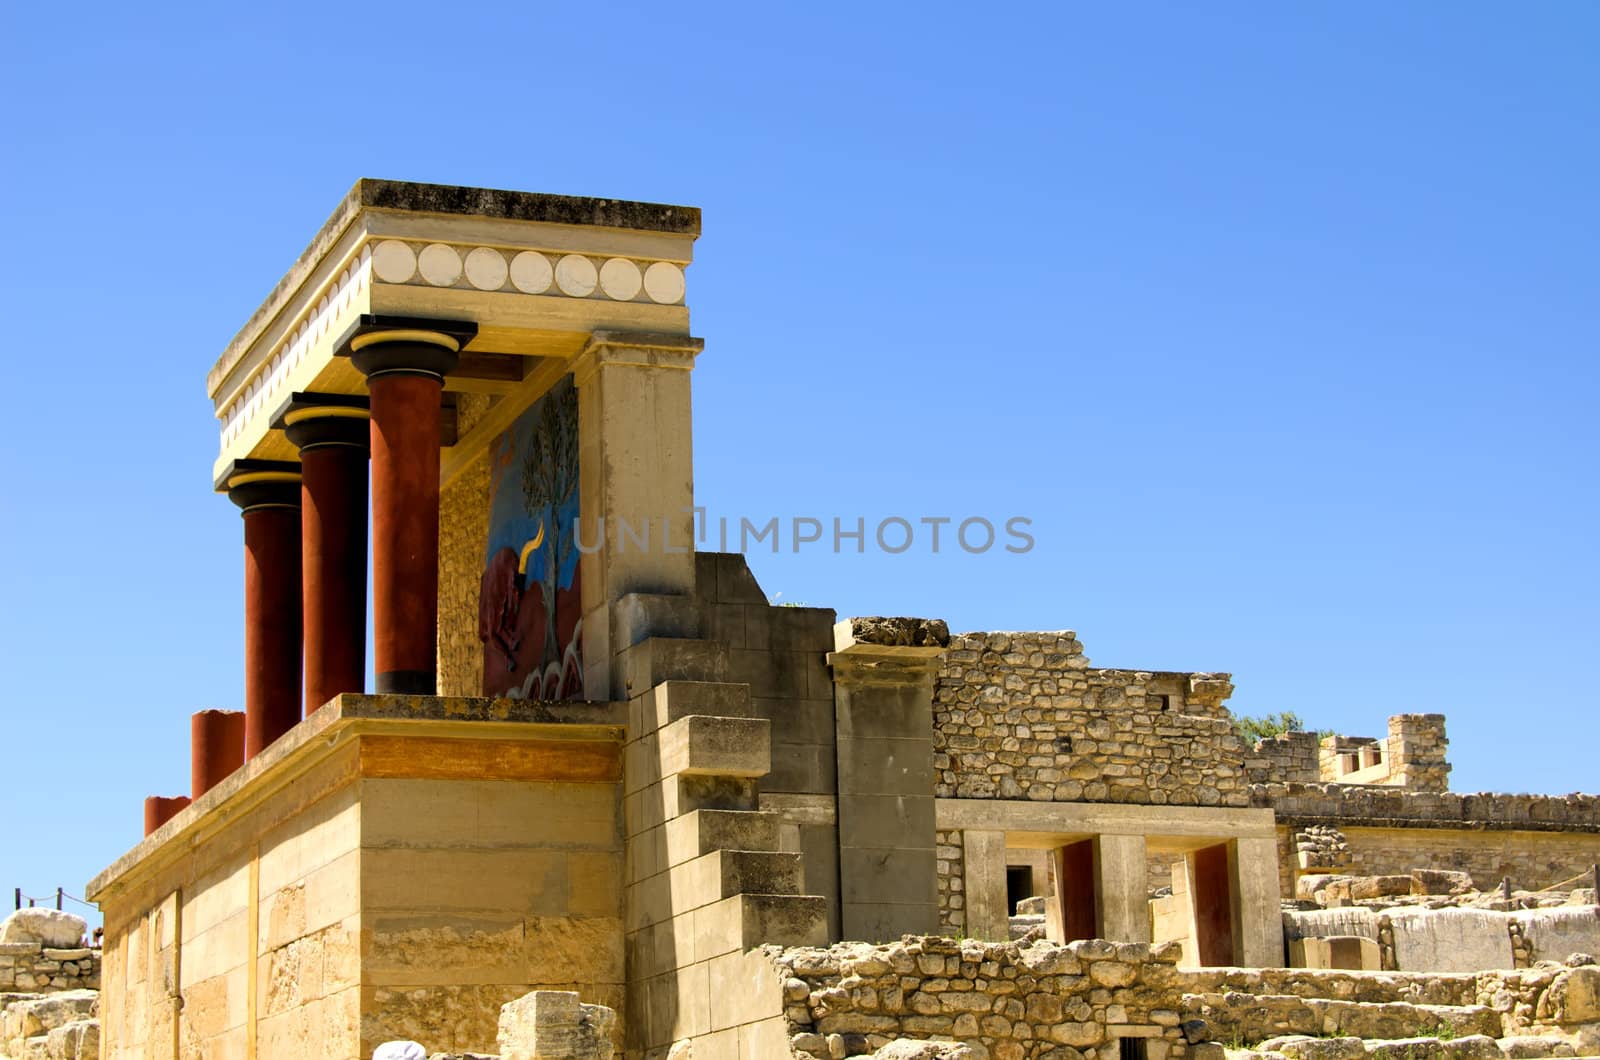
pixel 330 412
pixel 263 476
pixel 434 338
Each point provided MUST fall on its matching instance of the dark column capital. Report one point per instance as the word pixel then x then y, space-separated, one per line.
pixel 316 421
pixel 386 345
pixel 257 484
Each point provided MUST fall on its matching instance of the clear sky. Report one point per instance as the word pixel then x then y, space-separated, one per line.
pixel 1279 321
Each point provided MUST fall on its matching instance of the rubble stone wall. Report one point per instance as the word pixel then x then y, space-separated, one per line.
pixel 463 534
pixel 1038 1000
pixel 951 865
pixel 1024 716
pixel 29 967
pixel 1417 752
pixel 1288 758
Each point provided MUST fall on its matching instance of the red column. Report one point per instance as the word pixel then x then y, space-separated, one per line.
pixel 216 748
pixel 332 434
pixel 405 369
pixel 159 809
pixel 268 493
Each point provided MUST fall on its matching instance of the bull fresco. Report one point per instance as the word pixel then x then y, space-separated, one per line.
pixel 529 607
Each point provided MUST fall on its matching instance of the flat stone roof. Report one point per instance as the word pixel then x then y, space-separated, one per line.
pixel 452 200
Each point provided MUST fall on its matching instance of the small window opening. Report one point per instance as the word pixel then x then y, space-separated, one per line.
pixel 1162 703
pixel 1019 885
pixel 1130 1049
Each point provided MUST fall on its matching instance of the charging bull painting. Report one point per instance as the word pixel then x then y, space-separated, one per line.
pixel 529 611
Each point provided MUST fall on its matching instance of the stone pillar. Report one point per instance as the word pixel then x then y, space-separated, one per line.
pixel 1416 747
pixel 1257 915
pixel 332 432
pixel 216 748
pixel 1122 888
pixel 405 362
pixel 159 809
pixel 883 674
pixel 635 483
pixel 268 495
pixel 983 868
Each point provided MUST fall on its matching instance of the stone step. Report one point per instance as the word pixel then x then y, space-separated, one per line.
pixel 664 704
pixel 726 873
pixel 1257 1017
pixel 699 745
pixel 704 831
pixel 657 659
pixel 639 616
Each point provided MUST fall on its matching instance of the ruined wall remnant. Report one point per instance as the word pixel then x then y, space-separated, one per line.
pixel 1417 752
pixel 1287 758
pixel 1024 716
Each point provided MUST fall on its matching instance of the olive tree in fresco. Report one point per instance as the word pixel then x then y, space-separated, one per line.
pixel 549 482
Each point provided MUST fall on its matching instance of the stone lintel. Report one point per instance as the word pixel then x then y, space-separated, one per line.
pixel 1042 824
pixel 437 723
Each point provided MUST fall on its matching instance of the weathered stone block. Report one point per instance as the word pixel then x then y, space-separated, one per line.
pixel 50 928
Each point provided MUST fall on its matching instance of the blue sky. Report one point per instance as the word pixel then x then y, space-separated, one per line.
pixel 1278 321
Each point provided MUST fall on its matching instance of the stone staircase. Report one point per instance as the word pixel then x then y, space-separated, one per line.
pixel 706 880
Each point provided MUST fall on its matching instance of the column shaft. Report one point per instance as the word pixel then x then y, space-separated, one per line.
pixel 271 624
pixel 334 525
pixel 159 809
pixel 216 748
pixel 405 531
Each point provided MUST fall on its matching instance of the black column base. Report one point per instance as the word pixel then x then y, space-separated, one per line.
pixel 407 683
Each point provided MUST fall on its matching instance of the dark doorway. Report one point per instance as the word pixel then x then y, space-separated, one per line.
pixel 1019 885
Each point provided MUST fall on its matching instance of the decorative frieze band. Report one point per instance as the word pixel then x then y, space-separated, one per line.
pixel 527 272
pixel 480 268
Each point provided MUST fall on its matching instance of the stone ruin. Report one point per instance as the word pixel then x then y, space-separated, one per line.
pixel 602 784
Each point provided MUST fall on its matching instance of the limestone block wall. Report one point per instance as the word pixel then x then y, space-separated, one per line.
pixel 31 967
pixel 190 960
pixel 395 867
pixel 1013 1000
pixel 1024 716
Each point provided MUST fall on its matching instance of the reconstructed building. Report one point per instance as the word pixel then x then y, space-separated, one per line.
pixel 597 760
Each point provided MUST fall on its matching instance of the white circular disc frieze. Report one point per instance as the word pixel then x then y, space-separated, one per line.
pixel 486 269
pixel 531 272
pixel 620 279
pixel 575 275
pixel 393 261
pixel 663 282
pixel 440 265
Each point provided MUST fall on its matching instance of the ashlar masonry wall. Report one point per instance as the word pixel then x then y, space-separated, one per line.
pixel 1024 716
